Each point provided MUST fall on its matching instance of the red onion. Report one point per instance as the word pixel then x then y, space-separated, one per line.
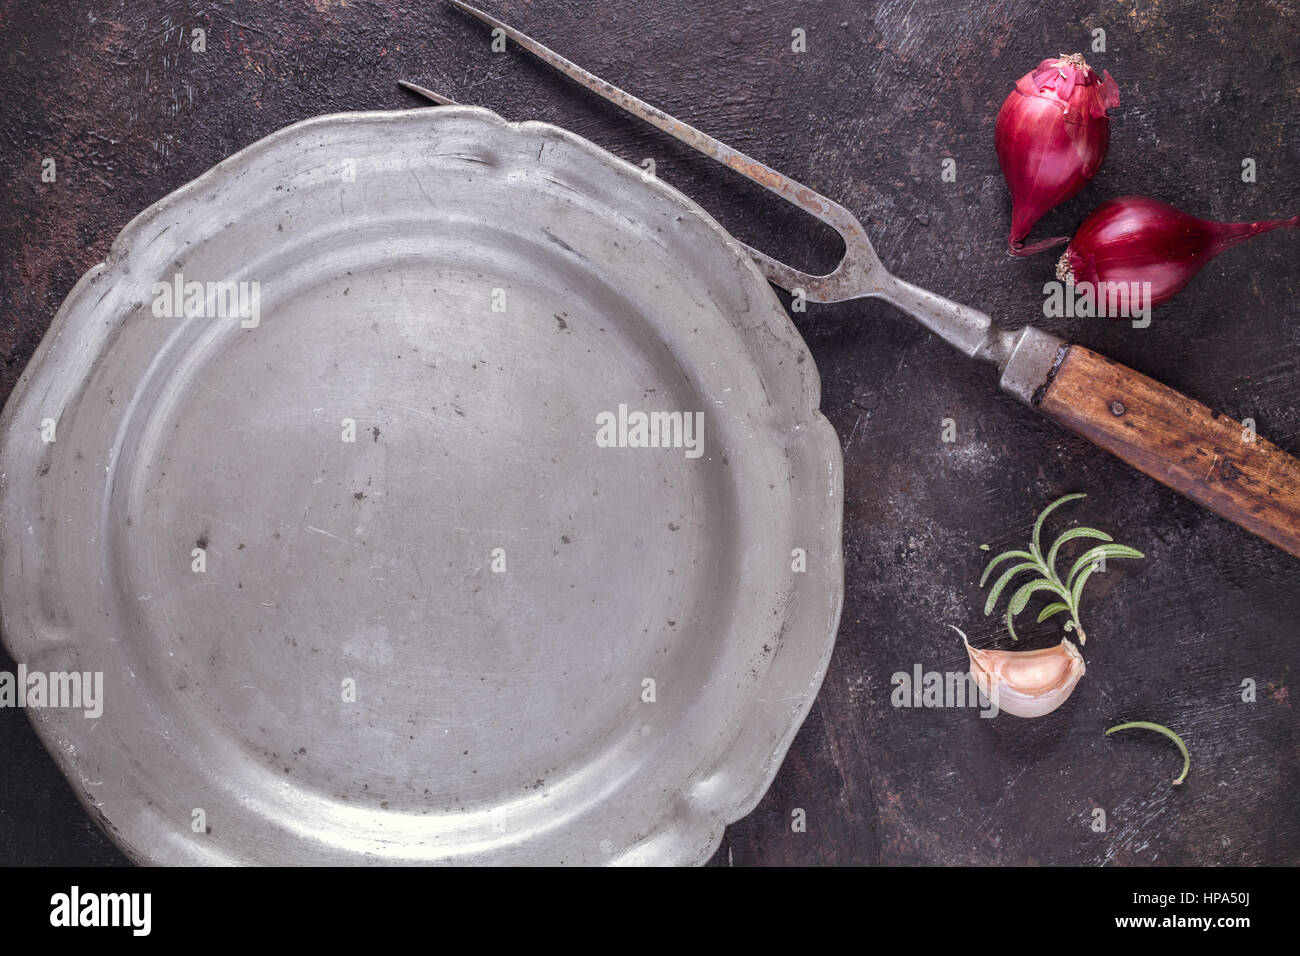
pixel 1052 134
pixel 1133 239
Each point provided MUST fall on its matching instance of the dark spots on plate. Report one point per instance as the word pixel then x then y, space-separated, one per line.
pixel 560 242
pixel 375 433
pixel 202 540
pixel 359 495
pixel 240 546
pixel 564 538
pixel 564 326
pixel 673 527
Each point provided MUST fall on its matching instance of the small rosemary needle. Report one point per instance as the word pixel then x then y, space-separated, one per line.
pixel 1160 729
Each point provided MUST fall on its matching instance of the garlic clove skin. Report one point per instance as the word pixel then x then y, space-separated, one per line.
pixel 1027 683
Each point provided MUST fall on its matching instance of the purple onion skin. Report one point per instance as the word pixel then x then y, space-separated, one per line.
pixel 1135 239
pixel 1051 136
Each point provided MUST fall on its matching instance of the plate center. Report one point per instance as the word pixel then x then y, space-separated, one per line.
pixel 419 566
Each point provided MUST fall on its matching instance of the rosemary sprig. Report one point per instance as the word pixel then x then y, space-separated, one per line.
pixel 1069 589
pixel 1160 729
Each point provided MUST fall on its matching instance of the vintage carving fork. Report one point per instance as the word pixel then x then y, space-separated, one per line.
pixel 1181 443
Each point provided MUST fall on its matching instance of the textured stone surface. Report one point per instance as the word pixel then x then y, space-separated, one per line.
pixel 884 93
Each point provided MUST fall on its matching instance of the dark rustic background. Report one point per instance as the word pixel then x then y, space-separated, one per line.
pixel 885 91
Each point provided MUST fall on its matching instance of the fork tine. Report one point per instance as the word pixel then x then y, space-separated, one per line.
pixel 427 93
pixel 858 250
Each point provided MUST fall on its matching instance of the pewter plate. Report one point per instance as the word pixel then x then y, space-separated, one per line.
pixel 473 633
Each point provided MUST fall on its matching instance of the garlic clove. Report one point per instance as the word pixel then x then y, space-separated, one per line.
pixel 1027 683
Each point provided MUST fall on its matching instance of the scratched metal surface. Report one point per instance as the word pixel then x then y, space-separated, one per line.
pixel 884 92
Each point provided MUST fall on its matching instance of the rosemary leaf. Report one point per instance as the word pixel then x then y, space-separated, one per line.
pixel 1038 525
pixel 1070 536
pixel 1099 552
pixel 1051 609
pixel 1160 729
pixel 1021 597
pixel 988 568
pixel 1003 581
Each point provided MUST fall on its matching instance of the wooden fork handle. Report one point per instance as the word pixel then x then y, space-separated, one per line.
pixel 1211 458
